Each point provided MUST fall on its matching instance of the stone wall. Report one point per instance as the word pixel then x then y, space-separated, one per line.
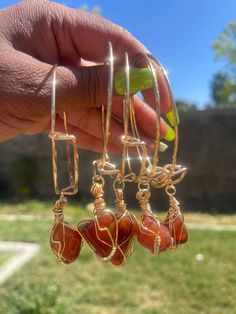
pixel 207 148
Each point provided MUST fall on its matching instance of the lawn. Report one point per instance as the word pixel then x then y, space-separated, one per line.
pixel 179 282
pixel 4 256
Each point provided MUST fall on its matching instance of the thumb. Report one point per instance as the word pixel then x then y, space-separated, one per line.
pixel 81 87
pixel 27 85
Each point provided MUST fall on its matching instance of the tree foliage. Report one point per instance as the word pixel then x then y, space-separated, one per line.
pixel 95 10
pixel 225 46
pixel 223 84
pixel 185 106
pixel 223 90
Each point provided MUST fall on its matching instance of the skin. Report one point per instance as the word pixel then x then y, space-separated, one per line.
pixel 35 35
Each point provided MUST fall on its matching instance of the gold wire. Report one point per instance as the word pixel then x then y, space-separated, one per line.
pixel 69 139
pixel 154 78
pixel 53 100
pixel 143 154
pixel 125 154
pixel 174 110
pixel 143 196
pixel 133 139
pixel 175 169
pixel 106 121
pixel 68 155
pixel 135 132
pixel 99 207
pixel 172 173
pixel 103 165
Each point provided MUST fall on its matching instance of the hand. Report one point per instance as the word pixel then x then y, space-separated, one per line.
pixel 36 34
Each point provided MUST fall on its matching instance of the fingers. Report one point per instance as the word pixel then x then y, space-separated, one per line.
pixel 67 37
pixel 90 121
pixel 85 140
pixel 145 118
pixel 26 86
pixel 165 97
pixel 90 35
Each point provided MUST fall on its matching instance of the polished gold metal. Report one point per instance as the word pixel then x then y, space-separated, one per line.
pixel 65 241
pixel 143 197
pixel 171 173
pixel 131 140
pixel 107 120
pixel 104 165
pixel 153 71
pixel 173 170
pixel 102 233
pixel 102 230
pixel 161 176
pixel 173 213
pixel 125 219
pixel 156 175
pixel 70 140
pixel 59 218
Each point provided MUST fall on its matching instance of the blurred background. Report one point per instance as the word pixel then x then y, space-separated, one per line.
pixel 196 43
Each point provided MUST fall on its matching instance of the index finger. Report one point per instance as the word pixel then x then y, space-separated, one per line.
pixel 90 35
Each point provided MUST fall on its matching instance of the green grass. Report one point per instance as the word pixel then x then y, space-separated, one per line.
pixel 4 256
pixel 44 209
pixel 170 283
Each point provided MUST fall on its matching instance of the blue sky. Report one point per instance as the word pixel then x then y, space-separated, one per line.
pixel 178 32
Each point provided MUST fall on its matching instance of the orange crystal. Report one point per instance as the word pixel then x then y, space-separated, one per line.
pixel 153 235
pixel 100 233
pixel 65 242
pixel 127 226
pixel 177 228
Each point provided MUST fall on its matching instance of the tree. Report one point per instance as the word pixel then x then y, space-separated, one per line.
pixel 223 84
pixel 95 10
pixel 223 90
pixel 185 106
pixel 225 46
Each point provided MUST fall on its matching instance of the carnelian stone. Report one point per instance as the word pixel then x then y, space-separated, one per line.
pixel 177 228
pixel 148 232
pixel 127 226
pixel 100 233
pixel 65 242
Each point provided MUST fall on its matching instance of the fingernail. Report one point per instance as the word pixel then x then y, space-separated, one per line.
pixel 150 143
pixel 170 135
pixel 163 147
pixel 140 79
pixel 170 117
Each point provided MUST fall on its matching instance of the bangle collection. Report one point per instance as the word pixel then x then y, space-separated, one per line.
pixel 111 233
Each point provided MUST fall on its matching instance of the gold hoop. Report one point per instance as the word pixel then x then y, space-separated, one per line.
pixel 70 139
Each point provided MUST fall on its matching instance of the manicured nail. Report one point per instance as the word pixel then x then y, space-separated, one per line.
pixel 163 147
pixel 150 143
pixel 170 135
pixel 170 117
pixel 140 79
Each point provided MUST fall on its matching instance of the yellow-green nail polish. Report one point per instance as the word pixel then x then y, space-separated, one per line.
pixel 163 147
pixel 170 135
pixel 170 117
pixel 140 79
